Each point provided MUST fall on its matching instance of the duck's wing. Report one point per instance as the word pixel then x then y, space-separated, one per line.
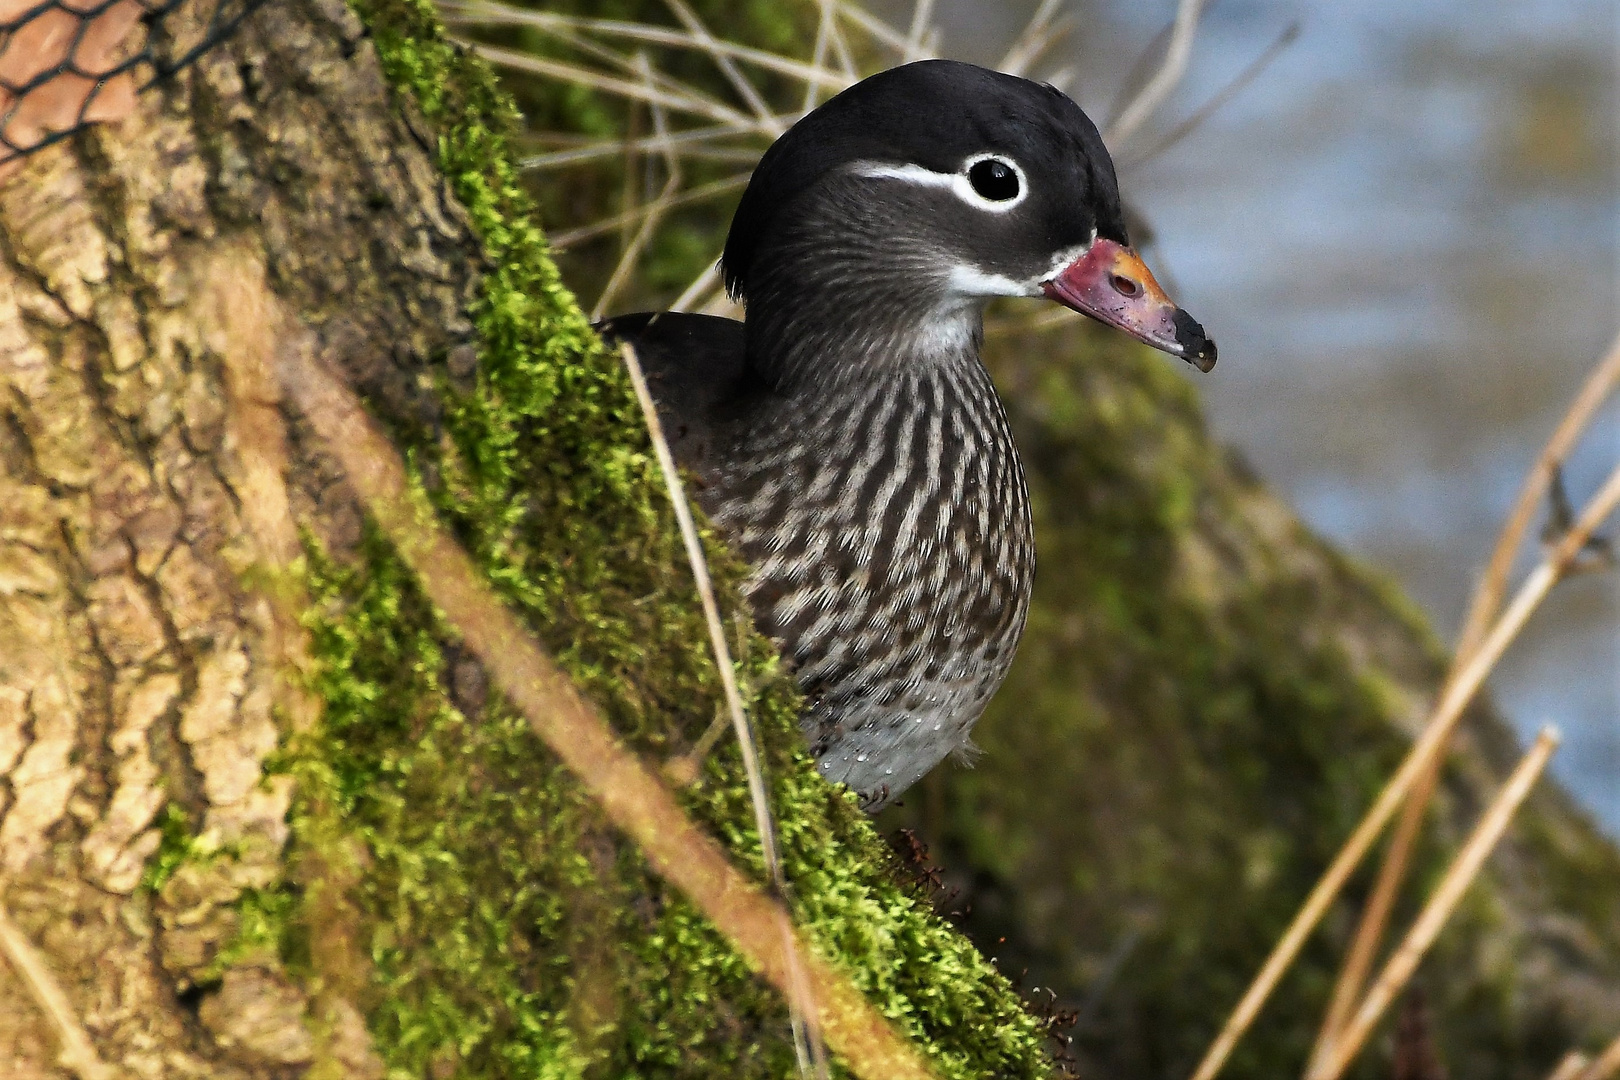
pixel 697 371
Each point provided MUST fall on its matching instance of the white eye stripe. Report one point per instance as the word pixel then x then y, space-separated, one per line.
pixel 957 182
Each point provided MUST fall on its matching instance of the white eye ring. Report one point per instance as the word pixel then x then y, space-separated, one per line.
pixel 966 191
pixel 957 182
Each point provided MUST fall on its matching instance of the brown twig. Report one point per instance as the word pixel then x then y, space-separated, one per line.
pixel 652 213
pixel 1455 696
pixel 1462 872
pixel 1176 56
pixel 1486 601
pixel 1493 585
pixel 630 793
pixel 77 1054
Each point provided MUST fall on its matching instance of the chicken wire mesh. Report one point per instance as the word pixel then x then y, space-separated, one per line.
pixel 68 63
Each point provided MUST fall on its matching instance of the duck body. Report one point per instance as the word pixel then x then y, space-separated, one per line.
pixel 847 439
pixel 888 527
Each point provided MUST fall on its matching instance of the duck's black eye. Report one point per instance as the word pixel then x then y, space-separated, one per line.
pixel 994 179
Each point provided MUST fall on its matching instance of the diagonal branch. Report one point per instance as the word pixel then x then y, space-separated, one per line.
pixel 77 1053
pixel 629 792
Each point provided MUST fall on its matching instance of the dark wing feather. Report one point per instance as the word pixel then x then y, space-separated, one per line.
pixel 697 370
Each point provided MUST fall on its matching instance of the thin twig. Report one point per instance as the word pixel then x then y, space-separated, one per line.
pixel 728 67
pixel 651 214
pixel 878 30
pixel 1487 598
pixel 1607 1065
pixel 1037 36
pixel 629 792
pixel 1176 56
pixel 598 149
pixel 77 1054
pixel 1432 919
pixel 568 239
pixel 1218 101
pixel 688 102
pixel 818 53
pixel 922 17
pixel 807 1041
pixel 492 14
pixel 699 288
pixel 1454 697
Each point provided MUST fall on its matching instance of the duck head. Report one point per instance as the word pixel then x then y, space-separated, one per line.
pixel 897 208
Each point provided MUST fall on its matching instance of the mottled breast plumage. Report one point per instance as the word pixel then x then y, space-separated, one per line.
pixel 893 556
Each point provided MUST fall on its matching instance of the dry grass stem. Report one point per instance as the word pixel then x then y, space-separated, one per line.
pixel 1176 57
pixel 1038 35
pixel 1607 1065
pixel 77 1054
pixel 1218 101
pixel 689 101
pixel 1488 596
pixel 493 14
pixel 564 240
pixel 1484 605
pixel 596 151
pixel 1454 698
pixel 807 1041
pixel 722 59
pixel 630 793
pixel 818 53
pixel 705 283
pixel 1432 919
pixel 922 18
pixel 652 213
pixel 878 30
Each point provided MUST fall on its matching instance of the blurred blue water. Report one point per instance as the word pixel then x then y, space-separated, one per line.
pixel 1404 236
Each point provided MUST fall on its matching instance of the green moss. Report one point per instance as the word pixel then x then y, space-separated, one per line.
pixel 501 928
pixel 175 847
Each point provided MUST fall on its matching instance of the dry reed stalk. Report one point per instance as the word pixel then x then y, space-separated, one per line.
pixel 630 793
pixel 651 214
pixel 76 1054
pixel 494 14
pixel 1432 919
pixel 802 1007
pixel 722 60
pixel 1217 101
pixel 1038 35
pixel 571 237
pixel 1570 1068
pixel 922 18
pixel 1607 1065
pixel 1454 697
pixel 1176 57
pixel 1482 608
pixel 689 101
